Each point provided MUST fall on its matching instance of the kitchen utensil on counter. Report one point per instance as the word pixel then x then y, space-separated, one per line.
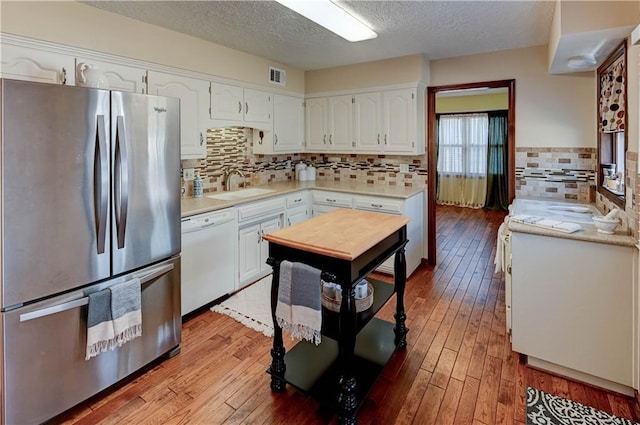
pixel 605 225
pixel 311 173
pixel 299 167
pixel 198 189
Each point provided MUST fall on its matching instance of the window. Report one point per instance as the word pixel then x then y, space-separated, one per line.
pixel 462 144
pixel 612 123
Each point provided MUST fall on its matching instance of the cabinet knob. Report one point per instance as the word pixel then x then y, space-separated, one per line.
pixel 275 139
pixel 201 139
pixel 64 75
pixel 246 107
pixel 385 139
pixel 324 139
pixel 331 139
pixel 378 139
pixel 239 107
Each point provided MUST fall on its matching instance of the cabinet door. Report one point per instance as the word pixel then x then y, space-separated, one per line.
pixel 249 253
pixel 288 124
pixel 297 215
pixel 316 124
pixel 227 102
pixel 267 226
pixel 119 77
pixel 367 122
pixel 258 106
pixel 21 63
pixel 341 123
pixel 399 117
pixel 193 96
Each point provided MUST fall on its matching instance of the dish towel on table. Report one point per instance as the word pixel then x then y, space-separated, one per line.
pixel 114 317
pixel 500 241
pixel 299 307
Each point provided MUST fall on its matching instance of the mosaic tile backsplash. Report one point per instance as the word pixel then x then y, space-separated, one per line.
pixel 232 148
pixel 561 173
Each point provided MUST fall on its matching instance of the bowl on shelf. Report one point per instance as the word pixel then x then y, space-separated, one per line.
pixel 605 225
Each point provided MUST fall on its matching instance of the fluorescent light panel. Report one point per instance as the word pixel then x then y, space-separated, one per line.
pixel 332 17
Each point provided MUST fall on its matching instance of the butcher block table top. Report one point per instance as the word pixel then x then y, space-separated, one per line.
pixel 342 233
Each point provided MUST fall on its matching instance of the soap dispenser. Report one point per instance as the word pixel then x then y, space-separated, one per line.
pixel 197 186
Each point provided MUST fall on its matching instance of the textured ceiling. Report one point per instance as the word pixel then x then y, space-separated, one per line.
pixel 438 29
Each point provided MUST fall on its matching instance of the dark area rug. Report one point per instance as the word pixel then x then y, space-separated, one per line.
pixel 547 409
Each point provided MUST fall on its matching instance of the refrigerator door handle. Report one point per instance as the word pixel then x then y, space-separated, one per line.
pixel 144 278
pixel 122 181
pixel 101 184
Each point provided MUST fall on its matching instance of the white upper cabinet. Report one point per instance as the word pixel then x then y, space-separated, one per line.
pixel 368 122
pixel 387 121
pixel 316 119
pixel 288 128
pixel 194 103
pixel 329 124
pixel 22 63
pixel 118 77
pixel 288 124
pixel 399 118
pixel 340 122
pixel 234 105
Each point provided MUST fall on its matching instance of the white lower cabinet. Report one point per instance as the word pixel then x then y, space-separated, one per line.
pixel 255 220
pixel 413 208
pixel 573 308
pixel 298 208
pixel 254 250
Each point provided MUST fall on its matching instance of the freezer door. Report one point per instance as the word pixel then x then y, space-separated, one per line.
pixel 55 189
pixel 44 369
pixel 145 136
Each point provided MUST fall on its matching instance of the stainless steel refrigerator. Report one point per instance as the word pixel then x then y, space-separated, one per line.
pixel 89 197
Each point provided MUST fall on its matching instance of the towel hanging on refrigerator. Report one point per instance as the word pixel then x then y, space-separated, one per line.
pixel 126 311
pixel 100 331
pixel 299 307
pixel 114 317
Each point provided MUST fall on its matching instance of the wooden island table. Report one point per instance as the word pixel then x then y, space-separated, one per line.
pixel 346 245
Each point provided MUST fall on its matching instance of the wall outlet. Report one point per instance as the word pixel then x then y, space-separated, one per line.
pixel 188 174
pixel 404 168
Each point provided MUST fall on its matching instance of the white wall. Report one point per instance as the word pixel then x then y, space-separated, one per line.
pixel 79 25
pixel 551 110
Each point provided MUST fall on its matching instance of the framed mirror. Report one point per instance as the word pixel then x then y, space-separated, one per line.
pixel 612 124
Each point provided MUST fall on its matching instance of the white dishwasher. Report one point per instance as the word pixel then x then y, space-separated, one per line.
pixel 209 244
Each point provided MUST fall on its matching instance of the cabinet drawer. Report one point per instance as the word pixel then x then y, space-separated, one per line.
pixel 331 198
pixel 388 206
pixel 258 209
pixel 297 199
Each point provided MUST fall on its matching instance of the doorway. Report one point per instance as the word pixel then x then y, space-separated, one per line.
pixel 432 152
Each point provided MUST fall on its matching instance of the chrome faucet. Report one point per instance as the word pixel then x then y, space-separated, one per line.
pixel 227 177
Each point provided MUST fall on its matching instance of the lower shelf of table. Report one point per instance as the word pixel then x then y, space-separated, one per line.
pixel 315 370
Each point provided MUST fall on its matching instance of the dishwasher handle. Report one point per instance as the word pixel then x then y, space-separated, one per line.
pixel 59 308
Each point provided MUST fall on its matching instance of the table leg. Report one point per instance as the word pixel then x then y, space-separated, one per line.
pixel 400 280
pixel 347 401
pixel 278 367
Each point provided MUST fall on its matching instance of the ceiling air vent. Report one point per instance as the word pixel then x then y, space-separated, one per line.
pixel 277 76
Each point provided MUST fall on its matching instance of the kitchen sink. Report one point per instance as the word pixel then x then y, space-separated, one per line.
pixel 240 194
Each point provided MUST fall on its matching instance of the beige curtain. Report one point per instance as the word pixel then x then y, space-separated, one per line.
pixel 462 160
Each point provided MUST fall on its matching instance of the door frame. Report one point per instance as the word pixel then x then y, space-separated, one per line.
pixel 431 150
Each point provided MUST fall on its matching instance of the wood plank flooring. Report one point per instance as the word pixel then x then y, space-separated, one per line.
pixel 458 367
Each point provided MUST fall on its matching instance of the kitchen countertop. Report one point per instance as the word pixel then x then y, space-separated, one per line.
pixel 589 233
pixel 191 206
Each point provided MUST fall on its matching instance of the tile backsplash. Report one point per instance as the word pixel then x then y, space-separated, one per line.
pixel 232 147
pixel 561 173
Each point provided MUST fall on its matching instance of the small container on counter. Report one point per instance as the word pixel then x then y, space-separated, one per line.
pixel 198 187
pixel 311 173
pixel 299 167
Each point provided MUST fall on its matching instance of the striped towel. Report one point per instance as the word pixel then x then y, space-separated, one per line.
pixel 114 317
pixel 299 307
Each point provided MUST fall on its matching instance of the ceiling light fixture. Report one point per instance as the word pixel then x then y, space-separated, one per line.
pixel 332 17
pixel 581 61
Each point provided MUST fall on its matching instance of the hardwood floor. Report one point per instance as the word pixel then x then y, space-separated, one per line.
pixel 458 367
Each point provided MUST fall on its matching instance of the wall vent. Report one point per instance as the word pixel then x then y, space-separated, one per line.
pixel 277 76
